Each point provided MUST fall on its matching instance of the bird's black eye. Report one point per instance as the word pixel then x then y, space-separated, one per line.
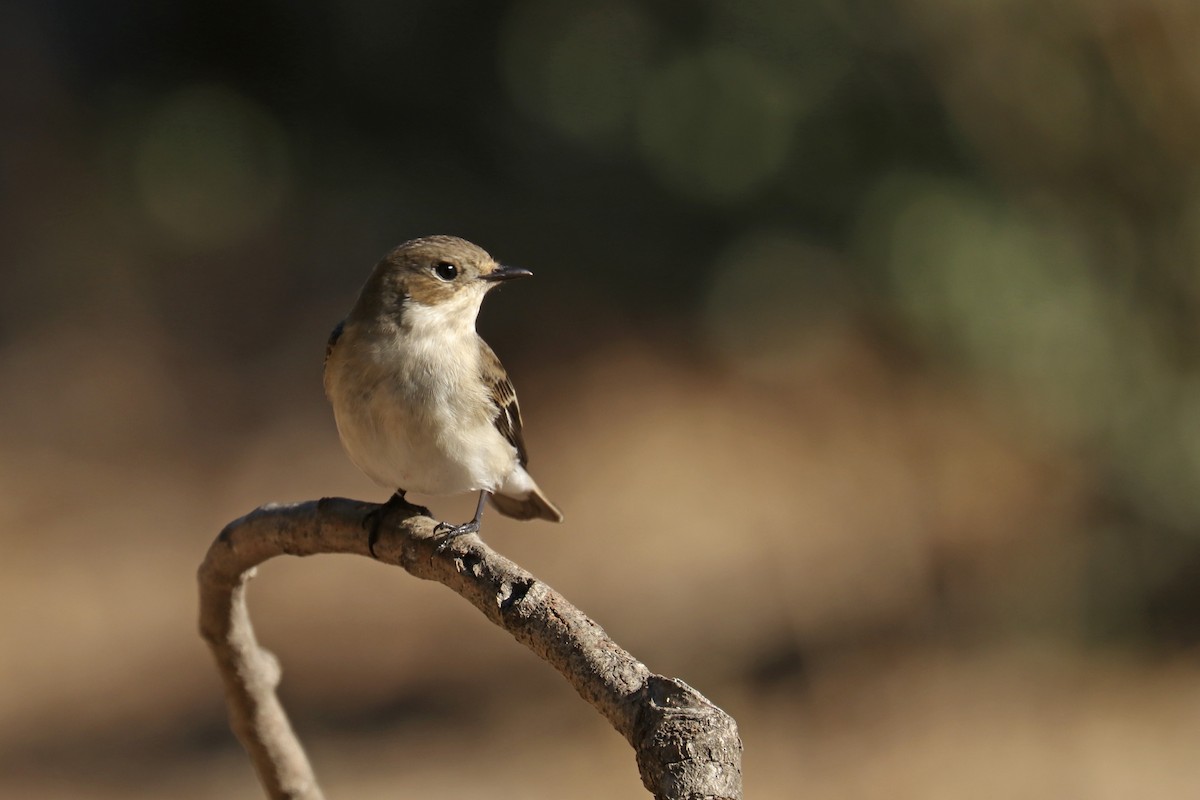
pixel 445 270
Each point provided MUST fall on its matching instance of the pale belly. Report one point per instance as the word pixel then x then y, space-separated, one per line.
pixel 425 450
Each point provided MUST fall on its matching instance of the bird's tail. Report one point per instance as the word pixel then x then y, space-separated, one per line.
pixel 534 505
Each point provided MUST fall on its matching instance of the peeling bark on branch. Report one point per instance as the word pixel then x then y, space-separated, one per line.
pixel 687 748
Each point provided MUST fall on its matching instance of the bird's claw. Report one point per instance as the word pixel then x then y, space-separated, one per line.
pixel 449 533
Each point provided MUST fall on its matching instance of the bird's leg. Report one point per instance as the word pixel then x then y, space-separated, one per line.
pixel 374 518
pixel 449 531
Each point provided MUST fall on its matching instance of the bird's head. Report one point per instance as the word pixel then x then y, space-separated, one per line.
pixel 445 273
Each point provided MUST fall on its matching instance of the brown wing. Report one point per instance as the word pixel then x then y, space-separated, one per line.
pixel 508 416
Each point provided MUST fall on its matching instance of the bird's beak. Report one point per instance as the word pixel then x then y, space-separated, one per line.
pixel 503 273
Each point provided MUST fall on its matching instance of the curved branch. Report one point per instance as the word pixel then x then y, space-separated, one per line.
pixel 686 747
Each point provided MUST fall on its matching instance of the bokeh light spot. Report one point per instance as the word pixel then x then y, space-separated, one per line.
pixel 578 71
pixel 211 166
pixel 716 126
pixel 1017 296
pixel 1016 299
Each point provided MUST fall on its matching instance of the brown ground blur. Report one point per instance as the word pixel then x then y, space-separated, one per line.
pixel 871 573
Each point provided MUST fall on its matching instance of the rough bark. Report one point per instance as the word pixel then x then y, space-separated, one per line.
pixel 686 747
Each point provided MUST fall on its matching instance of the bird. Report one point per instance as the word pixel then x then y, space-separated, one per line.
pixel 421 402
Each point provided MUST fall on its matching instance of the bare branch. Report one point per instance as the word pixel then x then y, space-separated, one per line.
pixel 687 748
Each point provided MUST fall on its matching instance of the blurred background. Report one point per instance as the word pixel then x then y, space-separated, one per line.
pixel 862 356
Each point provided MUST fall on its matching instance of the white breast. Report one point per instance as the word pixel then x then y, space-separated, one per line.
pixel 411 410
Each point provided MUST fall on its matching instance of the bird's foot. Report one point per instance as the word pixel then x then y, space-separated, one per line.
pixel 448 532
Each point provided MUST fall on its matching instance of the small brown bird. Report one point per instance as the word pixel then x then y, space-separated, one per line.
pixel 422 403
